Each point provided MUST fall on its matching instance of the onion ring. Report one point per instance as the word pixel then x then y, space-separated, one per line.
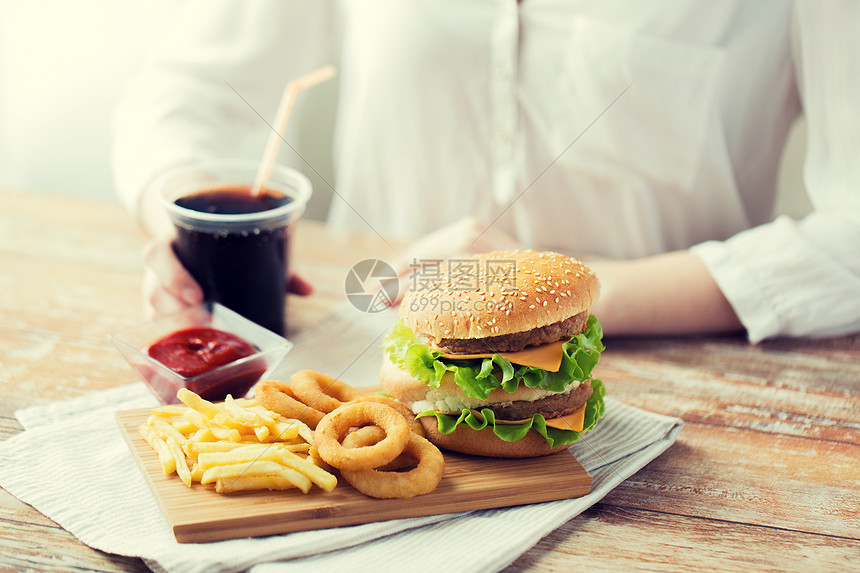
pixel 414 424
pixel 335 425
pixel 321 391
pixel 279 397
pixel 369 435
pixel 422 479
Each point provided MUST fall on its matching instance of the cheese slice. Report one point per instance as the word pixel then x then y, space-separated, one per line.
pixel 575 421
pixel 546 357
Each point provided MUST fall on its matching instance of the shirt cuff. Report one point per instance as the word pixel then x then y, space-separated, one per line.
pixel 779 283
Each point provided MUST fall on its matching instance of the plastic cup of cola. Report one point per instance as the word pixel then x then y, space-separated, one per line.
pixel 235 243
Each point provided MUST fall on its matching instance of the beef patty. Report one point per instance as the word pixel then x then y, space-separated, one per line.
pixel 553 406
pixel 518 340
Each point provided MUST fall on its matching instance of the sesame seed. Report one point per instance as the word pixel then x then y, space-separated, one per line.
pixel 530 306
pixel 544 303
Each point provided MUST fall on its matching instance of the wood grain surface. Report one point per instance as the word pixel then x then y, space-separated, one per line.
pixel 764 477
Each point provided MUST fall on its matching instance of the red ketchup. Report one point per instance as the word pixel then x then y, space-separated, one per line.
pixel 193 352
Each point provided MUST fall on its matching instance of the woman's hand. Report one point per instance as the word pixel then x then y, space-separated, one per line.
pixel 462 238
pixel 169 288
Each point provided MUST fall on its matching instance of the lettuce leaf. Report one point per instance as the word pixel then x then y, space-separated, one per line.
pixel 478 377
pixel 594 410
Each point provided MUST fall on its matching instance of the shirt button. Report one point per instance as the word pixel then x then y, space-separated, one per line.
pixel 502 73
pixel 502 136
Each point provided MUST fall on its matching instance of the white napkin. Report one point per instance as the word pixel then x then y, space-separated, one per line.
pixel 73 465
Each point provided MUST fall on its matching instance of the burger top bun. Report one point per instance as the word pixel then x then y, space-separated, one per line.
pixel 498 293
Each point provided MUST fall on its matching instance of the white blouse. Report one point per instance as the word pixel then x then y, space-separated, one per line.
pixel 613 128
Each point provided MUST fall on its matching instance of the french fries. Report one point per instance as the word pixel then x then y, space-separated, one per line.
pixel 236 445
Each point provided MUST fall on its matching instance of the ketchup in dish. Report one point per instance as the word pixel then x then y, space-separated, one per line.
pixel 193 352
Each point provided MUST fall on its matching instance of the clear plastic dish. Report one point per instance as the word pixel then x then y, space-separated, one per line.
pixel 234 378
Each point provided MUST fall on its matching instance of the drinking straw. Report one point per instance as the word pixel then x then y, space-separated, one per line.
pixel 285 108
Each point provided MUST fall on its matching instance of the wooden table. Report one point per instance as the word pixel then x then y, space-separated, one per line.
pixel 765 475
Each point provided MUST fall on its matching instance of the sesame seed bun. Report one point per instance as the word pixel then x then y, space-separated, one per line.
pixel 499 293
pixel 495 303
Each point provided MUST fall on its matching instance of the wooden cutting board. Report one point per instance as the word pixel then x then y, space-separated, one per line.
pixel 198 514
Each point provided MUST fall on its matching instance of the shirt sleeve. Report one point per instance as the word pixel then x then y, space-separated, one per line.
pixel 802 278
pixel 211 82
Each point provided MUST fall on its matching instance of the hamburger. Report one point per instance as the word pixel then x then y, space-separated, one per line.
pixel 494 354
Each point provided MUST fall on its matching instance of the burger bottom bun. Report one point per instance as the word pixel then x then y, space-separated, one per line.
pixel 486 443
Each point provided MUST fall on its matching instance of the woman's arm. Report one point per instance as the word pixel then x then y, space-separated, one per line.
pixel 671 293
pixel 802 277
pixel 666 294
